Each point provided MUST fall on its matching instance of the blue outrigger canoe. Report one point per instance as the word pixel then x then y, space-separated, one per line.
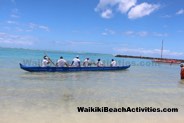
pixel 70 69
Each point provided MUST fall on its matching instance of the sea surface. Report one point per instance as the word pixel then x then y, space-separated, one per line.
pixel 54 97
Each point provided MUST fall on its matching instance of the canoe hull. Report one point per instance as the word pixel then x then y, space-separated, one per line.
pixel 71 69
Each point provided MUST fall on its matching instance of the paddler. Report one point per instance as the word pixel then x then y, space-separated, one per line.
pixel 45 61
pixel 61 62
pixel 182 71
pixel 113 63
pixel 76 62
pixel 99 63
pixel 86 62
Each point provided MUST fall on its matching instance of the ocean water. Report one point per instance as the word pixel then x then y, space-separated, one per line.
pixel 54 97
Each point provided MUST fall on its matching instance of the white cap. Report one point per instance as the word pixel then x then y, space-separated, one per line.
pixel 77 56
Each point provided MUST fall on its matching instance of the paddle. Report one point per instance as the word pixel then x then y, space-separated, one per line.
pixel 50 59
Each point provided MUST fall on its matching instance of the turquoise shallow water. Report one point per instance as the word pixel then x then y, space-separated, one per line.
pixel 53 97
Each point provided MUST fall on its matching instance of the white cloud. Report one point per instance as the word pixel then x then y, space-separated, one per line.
pixel 44 28
pixel 77 43
pixel 142 33
pixel 104 33
pixel 104 4
pixel 12 22
pixel 33 26
pixel 139 33
pixel 122 5
pixel 160 34
pixel 107 14
pixel 166 16
pixel 125 5
pixel 6 38
pixel 15 13
pixel 26 27
pixel 129 33
pixel 148 52
pixel 83 43
pixel 105 7
pixel 18 29
pixel 180 12
pixel 14 16
pixel 145 33
pixel 108 32
pixel 141 10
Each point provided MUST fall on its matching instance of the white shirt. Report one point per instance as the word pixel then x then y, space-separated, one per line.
pixel 86 63
pixel 76 62
pixel 113 63
pixel 99 64
pixel 61 63
pixel 45 63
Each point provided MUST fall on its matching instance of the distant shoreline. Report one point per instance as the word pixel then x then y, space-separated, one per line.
pixel 151 58
pixel 58 51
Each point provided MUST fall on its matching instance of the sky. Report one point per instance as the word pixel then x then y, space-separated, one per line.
pixel 130 27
